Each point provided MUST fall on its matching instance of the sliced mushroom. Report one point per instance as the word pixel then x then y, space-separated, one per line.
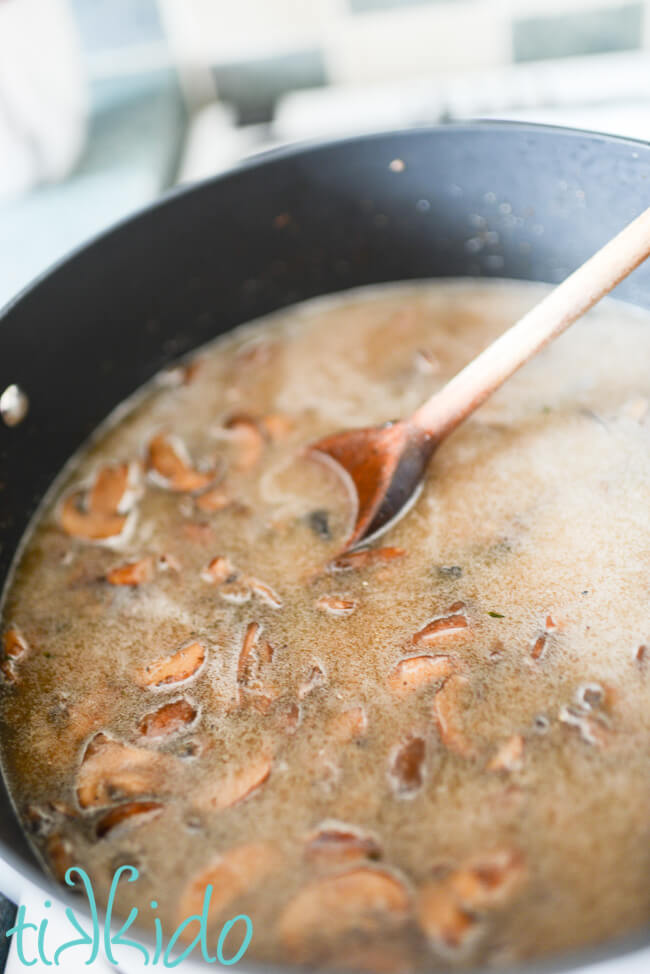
pixel 449 927
pixel 101 513
pixel 111 770
pixel 236 587
pixel 364 900
pixel 132 573
pixel 253 683
pixel 237 871
pixel 14 644
pixel 219 570
pixel 509 756
pixel 406 767
pixel 539 646
pixel 443 626
pixel 237 784
pixel 132 814
pixel 169 466
pixel 335 844
pixel 114 489
pixel 177 668
pixel 415 672
pixel 250 440
pixel 265 592
pixel 335 605
pixel 14 649
pixel 365 559
pixel 169 719
pixel 489 880
pixel 59 854
pixel 447 711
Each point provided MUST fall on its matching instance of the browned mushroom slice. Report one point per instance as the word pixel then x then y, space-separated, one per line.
pixel 132 813
pixel 15 647
pixel 449 927
pixel 169 719
pixel 132 573
pixel 415 672
pixel 509 756
pixel 101 512
pixel 347 725
pixel 253 686
pixel 111 770
pixel 539 647
pixel 169 670
pixel 364 900
pixel 79 522
pixel 335 844
pixel 59 855
pixel 265 592
pixel 232 874
pixel 334 605
pixel 169 465
pixel 447 711
pixel 213 500
pixel 244 663
pixel 112 491
pixel 445 626
pixel 315 680
pixel 489 880
pixel 406 767
pixel 218 571
pixel 365 559
pixel 14 644
pixel 238 784
pixel 250 440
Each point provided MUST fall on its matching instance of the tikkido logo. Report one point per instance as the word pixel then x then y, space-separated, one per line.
pixel 32 941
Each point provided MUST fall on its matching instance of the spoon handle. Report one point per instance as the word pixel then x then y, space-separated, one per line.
pixel 560 308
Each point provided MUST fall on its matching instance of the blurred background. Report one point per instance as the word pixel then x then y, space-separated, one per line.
pixel 105 104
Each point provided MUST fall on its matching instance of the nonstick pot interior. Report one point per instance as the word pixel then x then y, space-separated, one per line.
pixel 500 199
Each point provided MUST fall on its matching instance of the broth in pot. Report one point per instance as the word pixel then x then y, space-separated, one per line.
pixel 432 750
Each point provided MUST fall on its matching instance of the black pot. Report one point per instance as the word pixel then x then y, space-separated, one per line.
pixel 277 230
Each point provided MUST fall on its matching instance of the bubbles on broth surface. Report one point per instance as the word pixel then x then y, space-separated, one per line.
pixel 431 751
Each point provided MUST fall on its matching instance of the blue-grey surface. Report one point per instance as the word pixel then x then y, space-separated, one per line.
pixel 108 24
pixel 7 917
pixel 615 28
pixel 136 131
pixel 254 86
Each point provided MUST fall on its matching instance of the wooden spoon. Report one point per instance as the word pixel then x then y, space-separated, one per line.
pixel 386 464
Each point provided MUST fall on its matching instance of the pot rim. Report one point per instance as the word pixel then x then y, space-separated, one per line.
pixel 630 946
